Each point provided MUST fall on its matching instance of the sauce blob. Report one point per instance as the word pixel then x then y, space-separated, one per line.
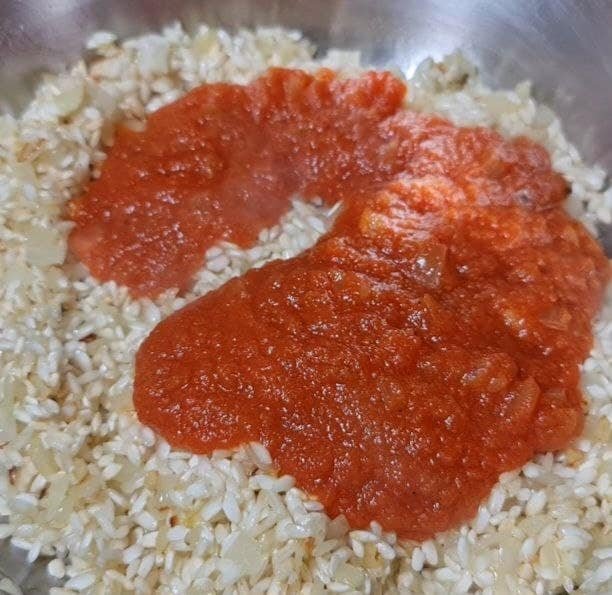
pixel 429 342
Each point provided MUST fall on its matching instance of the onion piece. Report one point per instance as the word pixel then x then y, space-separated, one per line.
pixel 8 425
pixel 556 318
pixel 43 247
pixel 428 267
pixel 69 94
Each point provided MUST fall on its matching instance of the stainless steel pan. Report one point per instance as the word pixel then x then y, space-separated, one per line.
pixel 564 46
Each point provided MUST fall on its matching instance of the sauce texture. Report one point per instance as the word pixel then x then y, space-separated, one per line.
pixel 430 341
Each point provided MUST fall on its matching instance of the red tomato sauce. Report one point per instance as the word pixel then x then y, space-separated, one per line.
pixel 430 341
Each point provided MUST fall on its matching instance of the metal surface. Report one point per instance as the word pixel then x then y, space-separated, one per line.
pixel 564 46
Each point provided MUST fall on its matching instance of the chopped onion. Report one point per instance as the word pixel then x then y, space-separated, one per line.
pixel 507 550
pixel 7 126
pixel 247 553
pixel 42 458
pixel 44 247
pixel 556 394
pixel 56 495
pixel 556 318
pixel 342 59
pixel 349 575
pixel 153 54
pixel 24 172
pixel 8 426
pixel 70 92
pixel 9 587
pixel 104 101
pixel 19 273
pixel 521 401
pixel 205 43
pixel 100 39
pixel 499 103
pixel 429 266
pixel 549 559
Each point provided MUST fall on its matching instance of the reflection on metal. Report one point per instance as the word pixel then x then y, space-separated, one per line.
pixel 564 46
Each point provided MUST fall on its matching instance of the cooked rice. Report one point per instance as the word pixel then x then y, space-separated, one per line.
pixel 115 507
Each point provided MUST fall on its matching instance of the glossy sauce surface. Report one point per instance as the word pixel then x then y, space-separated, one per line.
pixel 430 341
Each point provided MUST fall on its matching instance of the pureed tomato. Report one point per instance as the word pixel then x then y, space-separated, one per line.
pixel 430 341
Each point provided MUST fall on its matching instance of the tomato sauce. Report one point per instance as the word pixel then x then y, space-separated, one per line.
pixel 430 341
